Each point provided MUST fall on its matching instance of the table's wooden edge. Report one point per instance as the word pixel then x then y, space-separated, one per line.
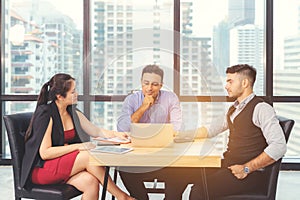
pixel 205 161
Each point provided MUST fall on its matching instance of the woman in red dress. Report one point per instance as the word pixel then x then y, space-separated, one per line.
pixel 54 152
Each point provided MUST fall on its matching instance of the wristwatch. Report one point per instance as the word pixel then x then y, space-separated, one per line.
pixel 246 170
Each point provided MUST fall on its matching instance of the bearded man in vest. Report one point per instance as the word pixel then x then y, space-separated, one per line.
pixel 256 140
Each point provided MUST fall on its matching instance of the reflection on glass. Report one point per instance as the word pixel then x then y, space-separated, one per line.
pixel 126 36
pixel 217 34
pixel 286 48
pixel 43 38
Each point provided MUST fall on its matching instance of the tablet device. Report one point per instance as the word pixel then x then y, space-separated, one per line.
pixel 112 149
pixel 113 140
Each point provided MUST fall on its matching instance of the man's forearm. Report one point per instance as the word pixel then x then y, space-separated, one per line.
pixel 137 115
pixel 259 162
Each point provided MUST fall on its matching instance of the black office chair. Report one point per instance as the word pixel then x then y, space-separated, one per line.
pixel 267 191
pixel 16 126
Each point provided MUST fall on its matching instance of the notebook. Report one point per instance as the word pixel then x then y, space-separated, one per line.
pixel 151 135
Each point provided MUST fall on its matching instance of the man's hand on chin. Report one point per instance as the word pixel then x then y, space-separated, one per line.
pixel 148 100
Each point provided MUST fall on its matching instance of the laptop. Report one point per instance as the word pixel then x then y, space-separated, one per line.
pixel 151 135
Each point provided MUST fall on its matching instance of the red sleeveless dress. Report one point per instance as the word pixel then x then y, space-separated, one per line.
pixel 56 170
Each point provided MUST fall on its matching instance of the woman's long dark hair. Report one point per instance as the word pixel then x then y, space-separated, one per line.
pixel 59 84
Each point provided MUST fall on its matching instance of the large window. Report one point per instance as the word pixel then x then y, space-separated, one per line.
pixel 126 36
pixel 42 38
pixel 286 62
pixel 214 35
pixel 217 34
pixel 105 44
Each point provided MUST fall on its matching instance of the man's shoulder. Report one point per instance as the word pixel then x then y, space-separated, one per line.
pixel 168 94
pixel 134 94
pixel 264 104
pixel 133 98
pixel 264 109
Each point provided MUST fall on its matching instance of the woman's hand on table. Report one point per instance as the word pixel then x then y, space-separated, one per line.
pixel 121 135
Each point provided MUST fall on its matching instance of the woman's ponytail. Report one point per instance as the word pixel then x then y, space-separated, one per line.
pixel 43 97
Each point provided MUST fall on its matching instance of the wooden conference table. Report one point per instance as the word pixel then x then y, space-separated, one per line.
pixel 200 154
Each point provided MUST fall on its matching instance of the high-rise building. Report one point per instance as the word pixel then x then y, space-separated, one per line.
pixel 198 76
pixel 246 47
pixel 241 12
pixel 221 47
pixel 112 57
pixel 45 45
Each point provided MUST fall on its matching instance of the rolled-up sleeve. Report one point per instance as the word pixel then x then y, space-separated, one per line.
pixel 264 117
pixel 175 112
pixel 124 120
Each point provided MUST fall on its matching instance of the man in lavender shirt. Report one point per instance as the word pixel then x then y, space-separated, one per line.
pixel 151 105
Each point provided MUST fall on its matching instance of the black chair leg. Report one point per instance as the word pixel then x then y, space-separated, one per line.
pixel 204 182
pixel 105 183
pixel 115 180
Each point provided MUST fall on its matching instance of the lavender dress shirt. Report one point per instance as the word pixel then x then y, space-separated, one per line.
pixel 166 109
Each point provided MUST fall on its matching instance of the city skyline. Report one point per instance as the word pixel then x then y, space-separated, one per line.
pixel 117 55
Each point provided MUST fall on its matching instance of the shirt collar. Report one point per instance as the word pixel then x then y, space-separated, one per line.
pixel 241 105
pixel 158 96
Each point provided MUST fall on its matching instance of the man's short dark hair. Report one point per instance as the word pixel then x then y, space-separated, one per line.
pixel 155 69
pixel 245 70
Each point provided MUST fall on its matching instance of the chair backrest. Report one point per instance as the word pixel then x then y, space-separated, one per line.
pixel 16 126
pixel 286 125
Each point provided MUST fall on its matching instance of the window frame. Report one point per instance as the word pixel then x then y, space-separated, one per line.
pixel 87 98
